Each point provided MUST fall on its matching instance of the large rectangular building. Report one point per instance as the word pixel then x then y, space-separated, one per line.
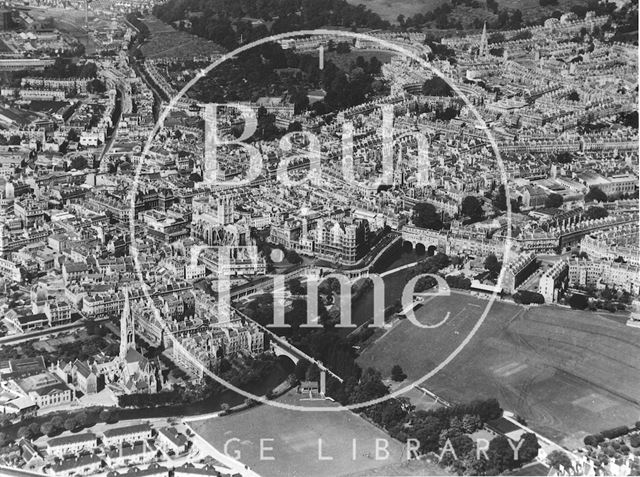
pixel 70 445
pixel 127 434
pixel 518 270
pixel 552 280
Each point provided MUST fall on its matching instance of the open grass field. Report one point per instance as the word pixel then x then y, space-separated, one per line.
pixel 295 437
pixel 390 9
pixel 167 42
pixel 567 373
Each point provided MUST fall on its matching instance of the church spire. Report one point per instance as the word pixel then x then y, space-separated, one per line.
pixel 484 44
pixel 127 327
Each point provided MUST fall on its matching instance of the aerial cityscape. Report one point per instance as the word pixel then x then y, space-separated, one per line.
pixel 319 238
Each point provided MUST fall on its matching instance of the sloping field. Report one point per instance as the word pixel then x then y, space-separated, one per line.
pixel 167 42
pixel 567 373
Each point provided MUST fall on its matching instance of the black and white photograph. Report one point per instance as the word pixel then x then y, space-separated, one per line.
pixel 319 238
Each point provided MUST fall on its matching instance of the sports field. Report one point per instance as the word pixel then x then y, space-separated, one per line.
pixel 296 439
pixel 567 373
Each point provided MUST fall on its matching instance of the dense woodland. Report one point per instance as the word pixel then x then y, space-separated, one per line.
pixel 268 70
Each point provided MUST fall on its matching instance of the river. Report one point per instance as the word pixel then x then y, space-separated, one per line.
pixel 362 311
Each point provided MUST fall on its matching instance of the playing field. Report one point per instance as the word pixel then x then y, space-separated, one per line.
pixel 567 373
pixel 297 437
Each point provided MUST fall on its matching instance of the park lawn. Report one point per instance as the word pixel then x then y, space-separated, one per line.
pixel 568 373
pixel 296 436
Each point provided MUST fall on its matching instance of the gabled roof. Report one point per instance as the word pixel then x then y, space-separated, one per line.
pixel 72 439
pixel 81 461
pixel 82 368
pixel 123 431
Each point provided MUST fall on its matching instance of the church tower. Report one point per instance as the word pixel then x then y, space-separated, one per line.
pixel 127 328
pixel 225 210
pixel 484 44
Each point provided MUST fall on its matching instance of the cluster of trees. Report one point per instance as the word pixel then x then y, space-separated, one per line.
pixel 563 157
pixel 472 207
pixel 443 17
pixel 268 70
pixel 527 297
pixel 66 68
pixel 573 96
pixel 444 430
pixel 66 351
pixel 559 458
pixel 595 194
pixel 14 140
pixel 436 86
pixel 222 22
pixel 253 370
pixel 164 398
pixel 458 281
pixel 293 257
pixel 553 201
pixel 78 163
pixel 440 17
pixel 494 266
pixel 595 212
pixel 430 265
pixel 81 350
pixel 67 422
pixel 629 119
pixel 426 216
pixel 608 299
pixel 397 374
pixel 96 86
pixel 440 51
pixel 578 301
pixel 595 439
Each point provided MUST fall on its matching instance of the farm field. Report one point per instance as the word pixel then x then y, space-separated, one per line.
pixel 568 373
pixel 295 437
